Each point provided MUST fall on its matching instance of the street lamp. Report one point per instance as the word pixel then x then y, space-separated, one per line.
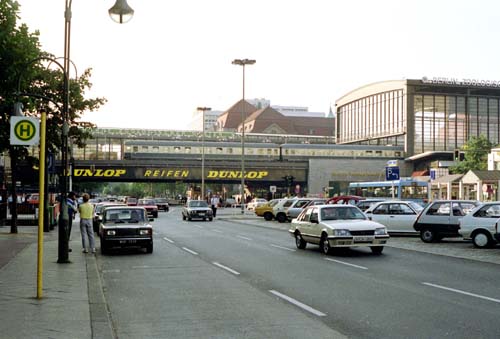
pixel 121 13
pixel 243 63
pixel 203 110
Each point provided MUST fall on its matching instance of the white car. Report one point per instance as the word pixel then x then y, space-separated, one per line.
pixel 331 226
pixel 482 225
pixel 256 202
pixel 398 216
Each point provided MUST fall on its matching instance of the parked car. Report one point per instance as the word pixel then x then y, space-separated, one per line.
pixel 367 203
pixel 398 216
pixel 345 199
pixel 130 201
pixel 197 209
pixel 482 225
pixel 162 204
pixel 266 210
pixel 229 202
pixel 256 202
pixel 150 206
pixel 331 226
pixel 98 208
pixel 440 219
pixel 125 226
pixel 279 210
pixel 298 205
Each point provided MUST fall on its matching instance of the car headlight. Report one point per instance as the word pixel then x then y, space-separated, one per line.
pixel 144 232
pixel 111 232
pixel 342 233
pixel 381 231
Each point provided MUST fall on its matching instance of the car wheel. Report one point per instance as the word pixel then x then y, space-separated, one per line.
pixel 299 242
pixel 377 249
pixel 149 248
pixel 155 215
pixel 427 235
pixel 281 217
pixel 324 245
pixel 482 239
pixel 268 216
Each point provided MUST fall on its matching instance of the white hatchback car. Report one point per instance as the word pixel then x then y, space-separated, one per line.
pixel 398 216
pixel 256 202
pixel 482 225
pixel 331 226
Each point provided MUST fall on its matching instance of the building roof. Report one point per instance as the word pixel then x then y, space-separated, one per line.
pixel 232 117
pixel 473 176
pixel 448 178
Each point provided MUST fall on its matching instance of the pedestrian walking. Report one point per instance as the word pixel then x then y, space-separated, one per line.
pixel 86 213
pixel 214 202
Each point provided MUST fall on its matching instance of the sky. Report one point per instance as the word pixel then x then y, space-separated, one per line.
pixel 174 56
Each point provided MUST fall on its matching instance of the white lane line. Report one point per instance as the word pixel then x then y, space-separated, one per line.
pixel 218 231
pixel 200 227
pixel 243 237
pixel 283 248
pixel 136 267
pixel 462 292
pixel 226 268
pixel 298 303
pixel 169 240
pixel 346 263
pixel 111 271
pixel 189 251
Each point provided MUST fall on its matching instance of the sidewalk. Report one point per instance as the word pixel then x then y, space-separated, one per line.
pixel 66 309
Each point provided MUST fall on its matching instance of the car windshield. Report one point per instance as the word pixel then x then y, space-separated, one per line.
pixel 162 200
pixel 346 213
pixel 197 203
pixel 124 216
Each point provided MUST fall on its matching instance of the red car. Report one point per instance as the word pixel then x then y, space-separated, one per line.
pixel 150 206
pixel 345 199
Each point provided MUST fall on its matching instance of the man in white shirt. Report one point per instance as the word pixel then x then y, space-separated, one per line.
pixel 214 202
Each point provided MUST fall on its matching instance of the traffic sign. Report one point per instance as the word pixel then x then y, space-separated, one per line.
pixel 272 189
pixel 24 131
pixel 391 173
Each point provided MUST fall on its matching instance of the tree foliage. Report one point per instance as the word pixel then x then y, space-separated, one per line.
pixel 26 68
pixel 475 155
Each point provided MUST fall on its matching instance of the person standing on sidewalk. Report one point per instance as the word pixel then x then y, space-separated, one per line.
pixel 86 213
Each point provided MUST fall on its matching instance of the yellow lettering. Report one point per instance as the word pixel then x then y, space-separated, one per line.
pixel 147 173
pixel 212 174
pixel 119 172
pixel 185 173
pixel 88 173
pixel 251 175
pixel 156 173
pixel 234 174
pixel 263 174
pixel 77 172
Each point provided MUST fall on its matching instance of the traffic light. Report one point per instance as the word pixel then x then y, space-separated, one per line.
pixel 288 180
pixel 458 155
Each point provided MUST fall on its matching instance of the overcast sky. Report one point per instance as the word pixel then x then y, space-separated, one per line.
pixel 174 56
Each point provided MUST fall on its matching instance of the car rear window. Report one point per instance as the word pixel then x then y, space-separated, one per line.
pixel 124 215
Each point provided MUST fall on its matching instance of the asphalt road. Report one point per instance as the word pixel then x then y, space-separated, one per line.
pixel 225 279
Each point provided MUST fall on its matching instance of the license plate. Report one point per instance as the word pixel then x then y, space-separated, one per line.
pixel 128 241
pixel 363 239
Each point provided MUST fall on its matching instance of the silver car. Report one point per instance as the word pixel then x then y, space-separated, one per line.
pixel 482 225
pixel 331 226
pixel 398 216
pixel 294 210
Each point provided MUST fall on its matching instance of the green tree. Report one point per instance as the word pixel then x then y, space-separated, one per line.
pixel 41 81
pixel 475 155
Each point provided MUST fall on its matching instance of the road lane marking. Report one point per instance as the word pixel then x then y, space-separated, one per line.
pixel 226 268
pixel 283 248
pixel 111 271
pixel 189 251
pixel 462 292
pixel 346 263
pixel 167 239
pixel 136 267
pixel 216 230
pixel 243 237
pixel 298 303
pixel 200 227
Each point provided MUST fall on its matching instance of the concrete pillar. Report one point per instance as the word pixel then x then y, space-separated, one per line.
pixel 448 193
pixel 479 191
pixel 460 190
pixel 440 192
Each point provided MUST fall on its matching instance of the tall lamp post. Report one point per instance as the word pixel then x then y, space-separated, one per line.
pixel 203 110
pixel 243 63
pixel 121 13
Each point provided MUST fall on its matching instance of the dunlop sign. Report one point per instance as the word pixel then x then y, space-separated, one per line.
pixel 24 131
